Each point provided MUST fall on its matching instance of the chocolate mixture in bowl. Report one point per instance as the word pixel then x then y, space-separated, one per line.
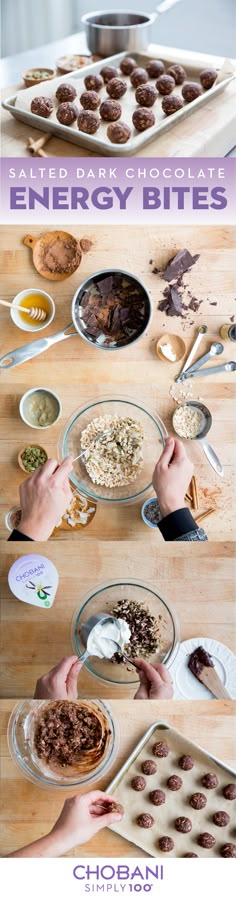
pixel 70 734
pixel 145 639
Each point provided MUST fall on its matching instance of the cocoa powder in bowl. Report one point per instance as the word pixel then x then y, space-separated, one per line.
pixel 62 255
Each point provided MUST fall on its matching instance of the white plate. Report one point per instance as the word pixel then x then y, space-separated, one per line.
pixel 186 685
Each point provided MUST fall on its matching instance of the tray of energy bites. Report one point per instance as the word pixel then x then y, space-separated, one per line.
pixel 177 798
pixel 120 104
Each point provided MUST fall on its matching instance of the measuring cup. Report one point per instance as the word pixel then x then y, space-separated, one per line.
pixel 201 436
pixel 90 625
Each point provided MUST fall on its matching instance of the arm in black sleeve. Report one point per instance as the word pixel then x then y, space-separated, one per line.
pixel 19 536
pixel 180 525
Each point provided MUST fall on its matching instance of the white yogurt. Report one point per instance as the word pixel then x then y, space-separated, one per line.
pixel 103 638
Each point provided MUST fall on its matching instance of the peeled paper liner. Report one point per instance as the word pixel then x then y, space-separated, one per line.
pixel 128 103
pixel 177 802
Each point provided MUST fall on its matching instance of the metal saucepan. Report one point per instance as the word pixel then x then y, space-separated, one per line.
pixel 201 436
pixel 29 351
pixel 114 32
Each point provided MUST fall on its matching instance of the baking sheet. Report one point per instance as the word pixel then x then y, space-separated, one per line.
pixel 177 802
pixel 19 106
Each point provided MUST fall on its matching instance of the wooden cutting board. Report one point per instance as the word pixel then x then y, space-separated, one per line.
pixel 210 131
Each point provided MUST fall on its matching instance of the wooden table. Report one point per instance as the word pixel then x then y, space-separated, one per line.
pixel 30 812
pixel 210 132
pixel 78 372
pixel 198 583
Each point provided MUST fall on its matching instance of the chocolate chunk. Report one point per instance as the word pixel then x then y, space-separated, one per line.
pixel 179 264
pixel 183 824
pixel 138 76
pixel 198 659
pixel 228 850
pixel 160 749
pixel 138 783
pixel 149 767
pixel 207 78
pixel 166 844
pixel 186 763
pixel 127 65
pixel 116 88
pixel 210 781
pixel 105 285
pixel 206 840
pixel 221 818
pixel 174 783
pixel 145 820
pixel 65 92
pixel 230 792
pixel 198 801
pixel 157 797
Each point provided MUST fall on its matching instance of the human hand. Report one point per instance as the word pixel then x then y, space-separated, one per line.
pixel 155 682
pixel 172 476
pixel 81 817
pixel 61 682
pixel 44 497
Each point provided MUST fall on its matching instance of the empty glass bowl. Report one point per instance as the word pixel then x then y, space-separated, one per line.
pixel 103 600
pixel 21 731
pixel 154 438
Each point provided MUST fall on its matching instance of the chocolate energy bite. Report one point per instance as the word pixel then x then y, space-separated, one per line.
pixel 115 808
pixel 138 783
pixel 166 844
pixel 42 106
pixel 93 82
pixel 157 797
pixel 108 72
pixel 198 801
pixel 230 791
pixel 171 104
pixel 177 72
pixel 165 84
pixel 143 118
pixel 127 65
pixel 191 855
pixel 116 88
pixel 183 824
pixel 149 767
pixel 206 840
pixel 65 92
pixel 88 122
pixel 90 100
pixel 160 749
pixel 210 781
pixel 110 110
pixel 155 68
pixel 146 95
pixel 174 783
pixel 118 133
pixel 191 90
pixel 186 763
pixel 221 818
pixel 228 850
pixel 207 78
pixel 138 76
pixel 67 113
pixel 145 820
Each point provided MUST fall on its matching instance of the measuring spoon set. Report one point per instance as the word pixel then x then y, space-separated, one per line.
pixel 196 370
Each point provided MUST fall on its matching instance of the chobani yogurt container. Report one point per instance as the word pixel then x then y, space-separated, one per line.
pixel 34 579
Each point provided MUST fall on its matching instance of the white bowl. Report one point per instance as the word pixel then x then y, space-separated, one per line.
pixel 16 316
pixel 35 391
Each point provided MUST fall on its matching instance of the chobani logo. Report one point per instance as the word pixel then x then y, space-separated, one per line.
pixel 36 571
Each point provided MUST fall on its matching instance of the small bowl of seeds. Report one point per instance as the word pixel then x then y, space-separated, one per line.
pixel 151 513
pixel 31 457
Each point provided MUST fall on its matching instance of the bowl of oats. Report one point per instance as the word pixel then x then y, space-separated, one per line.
pixel 115 444
pixel 153 623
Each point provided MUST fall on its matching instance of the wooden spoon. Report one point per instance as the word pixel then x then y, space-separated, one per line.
pixel 34 312
pixel 208 676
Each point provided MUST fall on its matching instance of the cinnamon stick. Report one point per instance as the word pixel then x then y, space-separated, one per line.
pixel 34 146
pixel 188 496
pixel 204 515
pixel 194 490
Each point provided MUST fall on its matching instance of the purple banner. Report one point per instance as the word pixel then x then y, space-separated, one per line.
pixel 146 191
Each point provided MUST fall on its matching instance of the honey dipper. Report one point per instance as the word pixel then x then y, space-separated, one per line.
pixel 34 312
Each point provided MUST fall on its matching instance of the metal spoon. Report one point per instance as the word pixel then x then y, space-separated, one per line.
pixel 201 436
pixel 215 350
pixel 201 331
pixel 227 367
pixel 86 631
pixel 91 446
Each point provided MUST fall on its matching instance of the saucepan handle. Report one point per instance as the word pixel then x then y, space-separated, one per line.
pixel 29 351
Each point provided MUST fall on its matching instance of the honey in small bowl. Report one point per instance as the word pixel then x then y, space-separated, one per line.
pixel 40 302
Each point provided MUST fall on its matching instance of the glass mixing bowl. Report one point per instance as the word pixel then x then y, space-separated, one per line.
pixel 103 600
pixel 154 437
pixel 21 729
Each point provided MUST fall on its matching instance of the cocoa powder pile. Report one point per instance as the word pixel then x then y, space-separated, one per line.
pixel 60 256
